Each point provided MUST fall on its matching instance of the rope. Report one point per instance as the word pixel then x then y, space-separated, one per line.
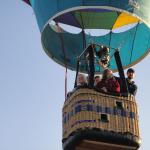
pixel 66 72
pixel 83 34
pixel 122 43
pixel 133 41
pixel 63 50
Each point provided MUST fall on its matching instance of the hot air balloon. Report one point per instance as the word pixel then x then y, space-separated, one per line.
pixel 74 34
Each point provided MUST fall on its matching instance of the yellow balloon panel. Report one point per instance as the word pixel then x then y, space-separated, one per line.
pixel 125 19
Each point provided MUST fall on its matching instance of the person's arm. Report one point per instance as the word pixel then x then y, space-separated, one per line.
pixel 116 85
pixel 133 89
pixel 101 86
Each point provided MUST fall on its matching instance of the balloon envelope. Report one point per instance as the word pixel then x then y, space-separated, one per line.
pixel 68 27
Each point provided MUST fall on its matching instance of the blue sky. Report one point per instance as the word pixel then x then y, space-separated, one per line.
pixel 32 85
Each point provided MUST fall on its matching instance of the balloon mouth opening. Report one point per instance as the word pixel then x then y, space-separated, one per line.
pixel 93 21
pixel 69 32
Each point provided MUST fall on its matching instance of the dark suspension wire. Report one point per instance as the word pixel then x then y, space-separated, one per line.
pixel 133 41
pixel 63 50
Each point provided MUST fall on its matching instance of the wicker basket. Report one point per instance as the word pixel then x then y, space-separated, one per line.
pixel 87 109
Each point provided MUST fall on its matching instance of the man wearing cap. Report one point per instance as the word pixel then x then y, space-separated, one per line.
pixel 132 87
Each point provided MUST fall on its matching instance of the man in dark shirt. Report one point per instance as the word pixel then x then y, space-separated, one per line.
pixel 132 87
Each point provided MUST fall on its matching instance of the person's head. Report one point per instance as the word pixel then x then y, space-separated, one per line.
pixel 107 74
pixel 97 79
pixel 130 73
pixel 81 79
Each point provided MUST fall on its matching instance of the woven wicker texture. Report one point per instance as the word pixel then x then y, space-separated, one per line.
pixel 90 109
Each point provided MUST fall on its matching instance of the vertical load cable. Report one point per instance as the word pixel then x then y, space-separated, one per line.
pixel 133 41
pixel 83 33
pixel 65 59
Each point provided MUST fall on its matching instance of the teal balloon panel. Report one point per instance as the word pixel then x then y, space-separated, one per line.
pixel 68 27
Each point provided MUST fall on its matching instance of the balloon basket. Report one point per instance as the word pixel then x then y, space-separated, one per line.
pixel 97 121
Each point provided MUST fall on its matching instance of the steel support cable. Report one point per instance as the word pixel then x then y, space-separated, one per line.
pixel 121 44
pixel 133 41
pixel 83 33
pixel 77 23
pixel 65 59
